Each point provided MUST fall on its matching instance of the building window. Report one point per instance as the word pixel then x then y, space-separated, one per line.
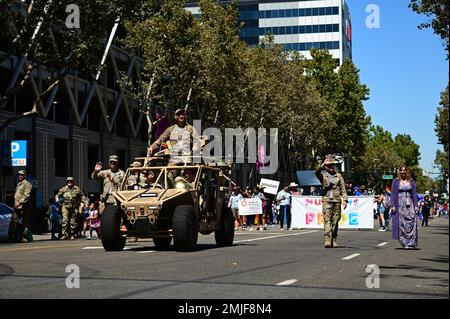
pixel 267 14
pixel 61 157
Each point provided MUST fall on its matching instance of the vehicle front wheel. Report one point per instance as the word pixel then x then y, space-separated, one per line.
pixel 184 228
pixel 110 220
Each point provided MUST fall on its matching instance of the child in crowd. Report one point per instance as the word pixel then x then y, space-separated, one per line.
pixel 94 220
pixel 55 218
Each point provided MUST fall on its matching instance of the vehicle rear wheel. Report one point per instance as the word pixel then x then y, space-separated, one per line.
pixel 225 235
pixel 185 228
pixel 110 219
pixel 162 242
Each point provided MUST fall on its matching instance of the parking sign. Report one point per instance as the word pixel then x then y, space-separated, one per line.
pixel 18 155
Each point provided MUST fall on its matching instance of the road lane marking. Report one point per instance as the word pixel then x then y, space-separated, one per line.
pixel 269 237
pixel 147 251
pixel 286 282
pixel 40 247
pixel 382 244
pixel 350 257
pixel 94 247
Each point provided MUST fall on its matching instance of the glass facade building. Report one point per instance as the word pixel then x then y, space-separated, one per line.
pixel 297 25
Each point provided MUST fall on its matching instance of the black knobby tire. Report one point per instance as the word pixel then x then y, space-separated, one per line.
pixel 162 242
pixel 184 228
pixel 110 220
pixel 225 235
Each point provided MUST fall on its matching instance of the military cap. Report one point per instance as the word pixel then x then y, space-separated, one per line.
pixel 114 158
pixel 69 178
pixel 136 164
pixel 179 111
pixel 22 172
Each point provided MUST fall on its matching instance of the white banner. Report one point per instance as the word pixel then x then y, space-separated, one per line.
pixel 307 212
pixel 271 186
pixel 250 206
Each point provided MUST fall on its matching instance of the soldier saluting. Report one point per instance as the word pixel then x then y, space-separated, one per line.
pixel 71 197
pixel 334 195
pixel 112 178
pixel 22 208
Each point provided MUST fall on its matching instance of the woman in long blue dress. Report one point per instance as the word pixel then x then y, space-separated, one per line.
pixel 404 205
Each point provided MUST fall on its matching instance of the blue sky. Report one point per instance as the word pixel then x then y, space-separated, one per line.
pixel 405 69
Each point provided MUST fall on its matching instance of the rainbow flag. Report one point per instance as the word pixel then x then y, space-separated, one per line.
pixel 388 189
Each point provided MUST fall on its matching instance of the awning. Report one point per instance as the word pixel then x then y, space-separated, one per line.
pixel 307 178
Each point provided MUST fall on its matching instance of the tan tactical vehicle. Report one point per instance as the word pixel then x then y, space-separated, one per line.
pixel 164 202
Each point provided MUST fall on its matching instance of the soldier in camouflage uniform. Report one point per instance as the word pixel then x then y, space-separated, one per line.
pixel 22 207
pixel 182 137
pixel 334 195
pixel 112 178
pixel 70 197
pixel 136 178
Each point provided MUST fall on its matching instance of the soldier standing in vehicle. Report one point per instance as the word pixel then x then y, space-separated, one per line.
pixel 112 178
pixel 71 197
pixel 22 208
pixel 334 195
pixel 181 136
pixel 183 142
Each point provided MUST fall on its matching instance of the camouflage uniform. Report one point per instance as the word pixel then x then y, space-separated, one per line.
pixel 179 138
pixel 137 177
pixel 109 185
pixel 334 193
pixel 22 198
pixel 71 199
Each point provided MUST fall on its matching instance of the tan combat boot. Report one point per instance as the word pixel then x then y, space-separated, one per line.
pixel 335 245
pixel 327 241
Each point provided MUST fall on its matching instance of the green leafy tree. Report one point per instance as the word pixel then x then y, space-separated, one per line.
pixel 407 149
pixel 437 11
pixel 380 157
pixel 343 93
pixel 37 31
pixel 441 129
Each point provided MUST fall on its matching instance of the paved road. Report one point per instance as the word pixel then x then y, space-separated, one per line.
pixel 264 265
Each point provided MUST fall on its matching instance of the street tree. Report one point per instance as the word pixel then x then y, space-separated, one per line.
pixel 407 149
pixel 53 36
pixel 437 11
pixel 343 94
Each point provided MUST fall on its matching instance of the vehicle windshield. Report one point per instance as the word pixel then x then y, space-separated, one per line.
pixel 160 178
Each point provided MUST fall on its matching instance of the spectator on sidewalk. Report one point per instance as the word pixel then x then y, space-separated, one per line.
pixel 55 219
pixel 426 206
pixel 235 197
pixel 284 200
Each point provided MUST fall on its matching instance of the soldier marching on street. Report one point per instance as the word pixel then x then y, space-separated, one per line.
pixel 334 195
pixel 71 197
pixel 112 178
pixel 22 208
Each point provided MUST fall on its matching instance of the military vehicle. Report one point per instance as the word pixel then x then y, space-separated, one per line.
pixel 166 202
